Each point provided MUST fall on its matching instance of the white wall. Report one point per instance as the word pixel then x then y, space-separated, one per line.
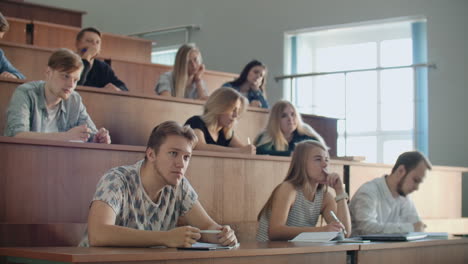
pixel 236 31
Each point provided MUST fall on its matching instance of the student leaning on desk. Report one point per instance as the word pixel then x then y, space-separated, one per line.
pixel 382 206
pixel 140 204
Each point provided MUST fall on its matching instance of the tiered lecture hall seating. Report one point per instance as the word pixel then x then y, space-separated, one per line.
pixel 45 186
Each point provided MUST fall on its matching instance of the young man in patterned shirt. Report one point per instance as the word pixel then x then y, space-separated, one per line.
pixel 139 205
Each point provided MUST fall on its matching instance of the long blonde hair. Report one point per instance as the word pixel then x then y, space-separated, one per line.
pixel 220 101
pixel 272 133
pixel 179 72
pixel 297 173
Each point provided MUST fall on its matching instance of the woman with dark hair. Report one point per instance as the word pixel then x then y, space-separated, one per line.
pixel 251 83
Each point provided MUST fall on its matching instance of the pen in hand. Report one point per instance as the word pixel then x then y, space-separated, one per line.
pixel 337 220
pixel 248 140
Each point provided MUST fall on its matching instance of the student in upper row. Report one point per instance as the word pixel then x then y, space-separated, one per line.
pixel 185 80
pixel 51 109
pixel 215 128
pixel 284 129
pixel 96 73
pixel 382 205
pixel 295 204
pixel 141 204
pixel 6 69
pixel 251 83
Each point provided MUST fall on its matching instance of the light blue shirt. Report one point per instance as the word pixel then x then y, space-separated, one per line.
pixel 27 111
pixel 5 66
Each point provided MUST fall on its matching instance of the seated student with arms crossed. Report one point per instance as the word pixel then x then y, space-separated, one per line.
pixel 185 81
pixel 96 73
pixel 139 205
pixel 284 129
pixel 382 206
pixel 6 69
pixel 251 83
pixel 295 205
pixel 51 109
pixel 215 128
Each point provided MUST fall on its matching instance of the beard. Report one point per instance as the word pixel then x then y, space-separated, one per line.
pixel 400 186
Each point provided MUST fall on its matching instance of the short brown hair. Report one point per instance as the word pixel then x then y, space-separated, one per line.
pixel 4 25
pixel 65 60
pixel 411 160
pixel 80 34
pixel 162 131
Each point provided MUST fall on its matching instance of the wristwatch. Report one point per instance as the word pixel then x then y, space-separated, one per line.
pixel 341 196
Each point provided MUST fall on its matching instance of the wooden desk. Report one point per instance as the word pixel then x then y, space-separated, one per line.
pixel 119 111
pixel 31 11
pixel 50 35
pixel 272 252
pixel 53 188
pixel 436 251
pixel 142 77
pixel 18 31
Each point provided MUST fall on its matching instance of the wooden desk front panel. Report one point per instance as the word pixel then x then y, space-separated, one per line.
pixel 250 252
pixel 143 77
pixel 32 62
pixel 439 196
pixel 453 251
pixel 31 11
pixel 57 182
pixel 17 32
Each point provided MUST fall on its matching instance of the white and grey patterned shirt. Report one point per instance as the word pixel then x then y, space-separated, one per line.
pixel 303 213
pixel 122 190
pixel 374 210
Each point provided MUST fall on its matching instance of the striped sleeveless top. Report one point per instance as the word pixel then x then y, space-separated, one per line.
pixel 302 213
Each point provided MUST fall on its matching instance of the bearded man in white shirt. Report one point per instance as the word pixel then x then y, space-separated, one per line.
pixel 382 206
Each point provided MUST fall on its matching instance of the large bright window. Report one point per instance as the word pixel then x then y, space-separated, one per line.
pixel 369 85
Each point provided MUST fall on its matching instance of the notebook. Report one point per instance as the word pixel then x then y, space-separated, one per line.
pixel 395 237
pixel 316 237
pixel 208 246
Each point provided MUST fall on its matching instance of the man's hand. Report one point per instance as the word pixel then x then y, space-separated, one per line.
pixel 89 53
pixel 78 133
pixel 256 103
pixel 102 136
pixel 8 75
pixel 419 226
pixel 112 87
pixel 183 236
pixel 227 237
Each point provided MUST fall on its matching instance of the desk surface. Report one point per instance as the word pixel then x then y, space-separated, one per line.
pixel 253 249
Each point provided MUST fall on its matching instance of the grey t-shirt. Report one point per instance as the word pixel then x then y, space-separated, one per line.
pixel 122 190
pixel 166 83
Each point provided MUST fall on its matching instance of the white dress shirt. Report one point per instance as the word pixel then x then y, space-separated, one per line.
pixel 374 210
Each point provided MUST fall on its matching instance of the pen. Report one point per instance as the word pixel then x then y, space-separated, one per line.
pixel 210 231
pixel 337 220
pixel 248 140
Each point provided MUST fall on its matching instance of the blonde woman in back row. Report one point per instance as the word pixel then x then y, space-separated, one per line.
pixel 215 128
pixel 284 130
pixel 185 80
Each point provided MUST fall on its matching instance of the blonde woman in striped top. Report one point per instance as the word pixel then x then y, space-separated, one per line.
pixel 296 204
